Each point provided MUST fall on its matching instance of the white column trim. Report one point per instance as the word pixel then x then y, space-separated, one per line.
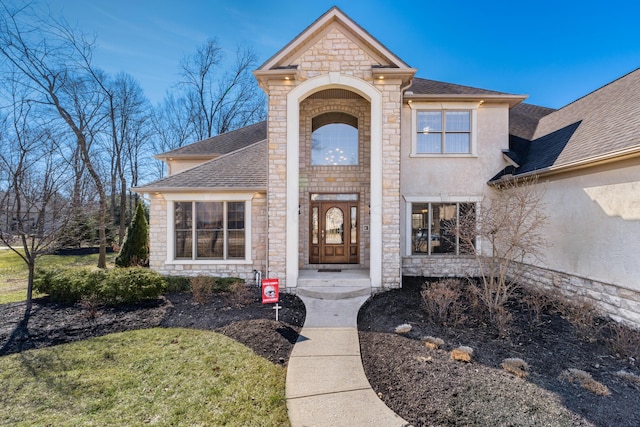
pixel 299 93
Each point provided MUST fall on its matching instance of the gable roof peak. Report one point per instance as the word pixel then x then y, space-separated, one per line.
pixel 334 14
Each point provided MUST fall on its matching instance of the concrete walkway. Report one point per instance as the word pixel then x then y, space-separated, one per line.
pixel 326 384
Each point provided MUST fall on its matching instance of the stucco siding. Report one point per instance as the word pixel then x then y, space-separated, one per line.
pixel 594 224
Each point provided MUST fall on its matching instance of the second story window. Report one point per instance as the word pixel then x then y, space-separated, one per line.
pixel 443 132
pixel 334 140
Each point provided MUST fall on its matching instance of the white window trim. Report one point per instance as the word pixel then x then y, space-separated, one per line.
pixel 444 106
pixel 198 197
pixel 442 198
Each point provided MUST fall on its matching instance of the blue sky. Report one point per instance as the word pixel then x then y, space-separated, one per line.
pixel 554 51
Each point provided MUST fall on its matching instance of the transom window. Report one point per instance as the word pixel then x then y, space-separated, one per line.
pixel 433 227
pixel 443 132
pixel 334 140
pixel 209 230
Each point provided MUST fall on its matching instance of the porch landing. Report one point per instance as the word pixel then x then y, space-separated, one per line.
pixel 333 284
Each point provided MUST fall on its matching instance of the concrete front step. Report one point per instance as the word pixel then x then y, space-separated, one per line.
pixel 334 292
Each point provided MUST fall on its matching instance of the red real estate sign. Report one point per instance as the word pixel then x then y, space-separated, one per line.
pixel 270 292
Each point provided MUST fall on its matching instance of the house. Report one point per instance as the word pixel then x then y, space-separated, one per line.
pixel 360 162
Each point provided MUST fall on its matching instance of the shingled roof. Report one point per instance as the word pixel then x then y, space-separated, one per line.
pixel 524 118
pixel 434 87
pixel 601 125
pixel 221 144
pixel 244 169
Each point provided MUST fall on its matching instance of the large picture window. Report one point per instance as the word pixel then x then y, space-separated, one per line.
pixel 209 230
pixel 443 132
pixel 433 227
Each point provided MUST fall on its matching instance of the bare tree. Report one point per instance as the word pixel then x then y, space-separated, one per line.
pixel 219 101
pixel 508 227
pixel 30 198
pixel 53 60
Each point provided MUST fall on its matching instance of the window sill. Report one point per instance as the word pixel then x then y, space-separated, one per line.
pixel 445 155
pixel 208 262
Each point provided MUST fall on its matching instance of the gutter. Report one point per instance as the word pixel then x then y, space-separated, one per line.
pixel 602 159
pixel 149 190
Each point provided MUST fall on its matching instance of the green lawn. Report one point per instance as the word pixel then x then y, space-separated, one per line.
pixel 158 377
pixel 13 271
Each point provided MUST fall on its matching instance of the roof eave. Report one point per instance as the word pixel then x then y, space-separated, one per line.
pixel 166 157
pixel 161 190
pixel 512 100
pixel 603 159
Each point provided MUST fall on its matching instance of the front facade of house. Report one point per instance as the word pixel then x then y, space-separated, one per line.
pixel 358 166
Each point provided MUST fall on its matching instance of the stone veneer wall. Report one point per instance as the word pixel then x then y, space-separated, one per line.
pixel 335 52
pixel 439 266
pixel 158 239
pixel 335 179
pixel 618 302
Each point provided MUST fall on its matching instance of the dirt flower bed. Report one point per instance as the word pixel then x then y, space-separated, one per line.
pixel 427 387
pixel 250 322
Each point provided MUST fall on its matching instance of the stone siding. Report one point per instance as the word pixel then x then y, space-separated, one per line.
pixel 619 303
pixel 158 244
pixel 335 179
pixel 439 266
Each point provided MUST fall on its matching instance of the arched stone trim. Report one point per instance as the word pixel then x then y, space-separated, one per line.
pixel 294 97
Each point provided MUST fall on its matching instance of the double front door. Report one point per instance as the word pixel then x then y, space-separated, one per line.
pixel 334 235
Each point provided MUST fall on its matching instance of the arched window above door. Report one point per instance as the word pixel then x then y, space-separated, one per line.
pixel 334 140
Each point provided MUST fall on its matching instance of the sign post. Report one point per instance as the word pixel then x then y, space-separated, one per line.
pixel 271 293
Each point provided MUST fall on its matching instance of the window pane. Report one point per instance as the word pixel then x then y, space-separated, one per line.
pixel 314 226
pixel 334 226
pixel 442 228
pixel 183 215
pixel 235 215
pixel 235 244
pixel 184 244
pixel 335 144
pixel 458 121
pixel 457 143
pixel 467 223
pixel 354 225
pixel 210 229
pixel 429 143
pixel 183 237
pixel 429 121
pixel 210 244
pixel 420 227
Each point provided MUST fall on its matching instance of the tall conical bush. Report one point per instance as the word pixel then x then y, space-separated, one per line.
pixel 135 249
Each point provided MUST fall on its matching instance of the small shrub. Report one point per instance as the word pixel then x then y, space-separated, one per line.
pixel 130 285
pixel 135 248
pixel 623 340
pixel 238 294
pixel 432 342
pixel 585 380
pixel 72 284
pixel 403 329
pixel 201 289
pixel 537 301
pixel 516 366
pixel 177 283
pixel 462 354
pixel 91 305
pixel 581 313
pixel 443 302
pixel 204 287
pixel 629 377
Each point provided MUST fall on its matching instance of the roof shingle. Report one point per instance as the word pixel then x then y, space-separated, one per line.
pixel 222 144
pixel 245 168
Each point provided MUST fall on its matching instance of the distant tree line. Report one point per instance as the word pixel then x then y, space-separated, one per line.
pixel 74 139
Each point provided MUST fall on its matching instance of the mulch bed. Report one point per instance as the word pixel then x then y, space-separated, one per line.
pixel 423 386
pixel 252 323
pixel 427 387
